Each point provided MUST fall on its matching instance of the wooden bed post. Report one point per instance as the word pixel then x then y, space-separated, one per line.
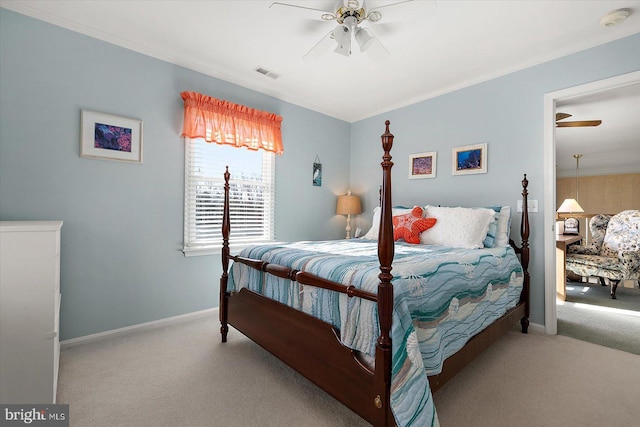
pixel 524 254
pixel 382 383
pixel 226 228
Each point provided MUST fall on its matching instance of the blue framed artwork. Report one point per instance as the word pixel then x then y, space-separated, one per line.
pixel 469 159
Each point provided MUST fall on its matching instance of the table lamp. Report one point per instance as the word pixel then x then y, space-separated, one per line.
pixel 348 205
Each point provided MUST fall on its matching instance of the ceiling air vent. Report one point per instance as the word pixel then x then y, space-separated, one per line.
pixel 267 73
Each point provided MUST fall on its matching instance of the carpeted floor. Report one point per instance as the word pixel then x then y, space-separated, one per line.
pixel 589 314
pixel 595 294
pixel 183 376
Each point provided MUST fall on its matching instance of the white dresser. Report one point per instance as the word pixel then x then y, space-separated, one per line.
pixel 29 311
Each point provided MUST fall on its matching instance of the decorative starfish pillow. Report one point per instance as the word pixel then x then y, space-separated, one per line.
pixel 409 226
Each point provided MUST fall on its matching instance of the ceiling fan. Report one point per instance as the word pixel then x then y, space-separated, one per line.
pixel 349 14
pixel 575 123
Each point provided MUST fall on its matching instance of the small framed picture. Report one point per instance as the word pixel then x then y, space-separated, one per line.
pixel 422 165
pixel 317 174
pixel 108 137
pixel 469 159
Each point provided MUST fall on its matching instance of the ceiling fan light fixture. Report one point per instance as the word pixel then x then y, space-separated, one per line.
pixel 365 39
pixel 342 36
pixel 615 17
pixel 343 50
pixel 348 14
pixel 351 22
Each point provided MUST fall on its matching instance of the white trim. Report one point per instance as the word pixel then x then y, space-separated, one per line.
pixel 596 171
pixel 537 328
pixel 549 217
pixel 169 321
pixel 201 251
pixel 550 311
pixel 217 250
pixel 148 326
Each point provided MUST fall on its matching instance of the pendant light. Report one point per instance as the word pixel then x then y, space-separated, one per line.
pixel 570 206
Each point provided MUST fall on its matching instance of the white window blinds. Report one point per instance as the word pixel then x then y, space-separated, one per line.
pixel 251 195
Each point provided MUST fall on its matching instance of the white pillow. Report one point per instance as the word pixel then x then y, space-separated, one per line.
pixel 504 227
pixel 457 227
pixel 372 234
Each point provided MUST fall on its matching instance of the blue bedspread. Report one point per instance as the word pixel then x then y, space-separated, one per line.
pixel 442 297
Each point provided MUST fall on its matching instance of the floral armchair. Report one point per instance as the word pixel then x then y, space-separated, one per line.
pixel 614 252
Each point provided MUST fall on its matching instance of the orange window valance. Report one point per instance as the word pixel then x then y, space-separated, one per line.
pixel 224 122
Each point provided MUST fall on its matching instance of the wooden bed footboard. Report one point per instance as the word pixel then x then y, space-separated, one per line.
pixel 313 347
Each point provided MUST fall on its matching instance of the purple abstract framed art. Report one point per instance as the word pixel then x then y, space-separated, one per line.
pixel 109 137
pixel 422 165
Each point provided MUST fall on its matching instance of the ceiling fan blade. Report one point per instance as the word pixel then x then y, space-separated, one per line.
pixel 321 47
pixel 562 116
pixel 392 4
pixel 385 28
pixel 312 25
pixel 277 3
pixel 377 52
pixel 579 123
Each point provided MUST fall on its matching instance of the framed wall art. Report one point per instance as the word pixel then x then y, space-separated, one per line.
pixel 422 165
pixel 469 159
pixel 108 137
pixel 317 172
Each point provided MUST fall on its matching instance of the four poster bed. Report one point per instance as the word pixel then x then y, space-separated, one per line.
pixel 330 311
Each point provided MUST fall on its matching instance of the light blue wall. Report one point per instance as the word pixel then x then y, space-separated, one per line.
pixel 123 223
pixel 506 113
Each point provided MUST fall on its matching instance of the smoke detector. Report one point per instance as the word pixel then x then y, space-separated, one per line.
pixel 615 17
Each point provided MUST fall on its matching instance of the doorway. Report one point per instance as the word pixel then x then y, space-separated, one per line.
pixel 550 101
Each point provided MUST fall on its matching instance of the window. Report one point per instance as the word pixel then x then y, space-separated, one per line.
pixel 217 134
pixel 251 195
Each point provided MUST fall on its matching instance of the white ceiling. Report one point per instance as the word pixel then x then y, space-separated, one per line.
pixel 435 47
pixel 612 147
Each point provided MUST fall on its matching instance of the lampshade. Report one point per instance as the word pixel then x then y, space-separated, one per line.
pixel 348 205
pixel 365 39
pixel 570 206
pixel 342 36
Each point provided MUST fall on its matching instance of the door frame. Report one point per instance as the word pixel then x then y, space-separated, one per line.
pixel 550 99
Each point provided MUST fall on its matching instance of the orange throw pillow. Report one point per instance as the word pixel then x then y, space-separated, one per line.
pixel 409 226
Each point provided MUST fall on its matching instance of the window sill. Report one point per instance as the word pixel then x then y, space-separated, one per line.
pixel 217 250
pixel 189 252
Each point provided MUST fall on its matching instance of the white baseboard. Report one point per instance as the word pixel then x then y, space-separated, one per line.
pixel 535 327
pixel 162 323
